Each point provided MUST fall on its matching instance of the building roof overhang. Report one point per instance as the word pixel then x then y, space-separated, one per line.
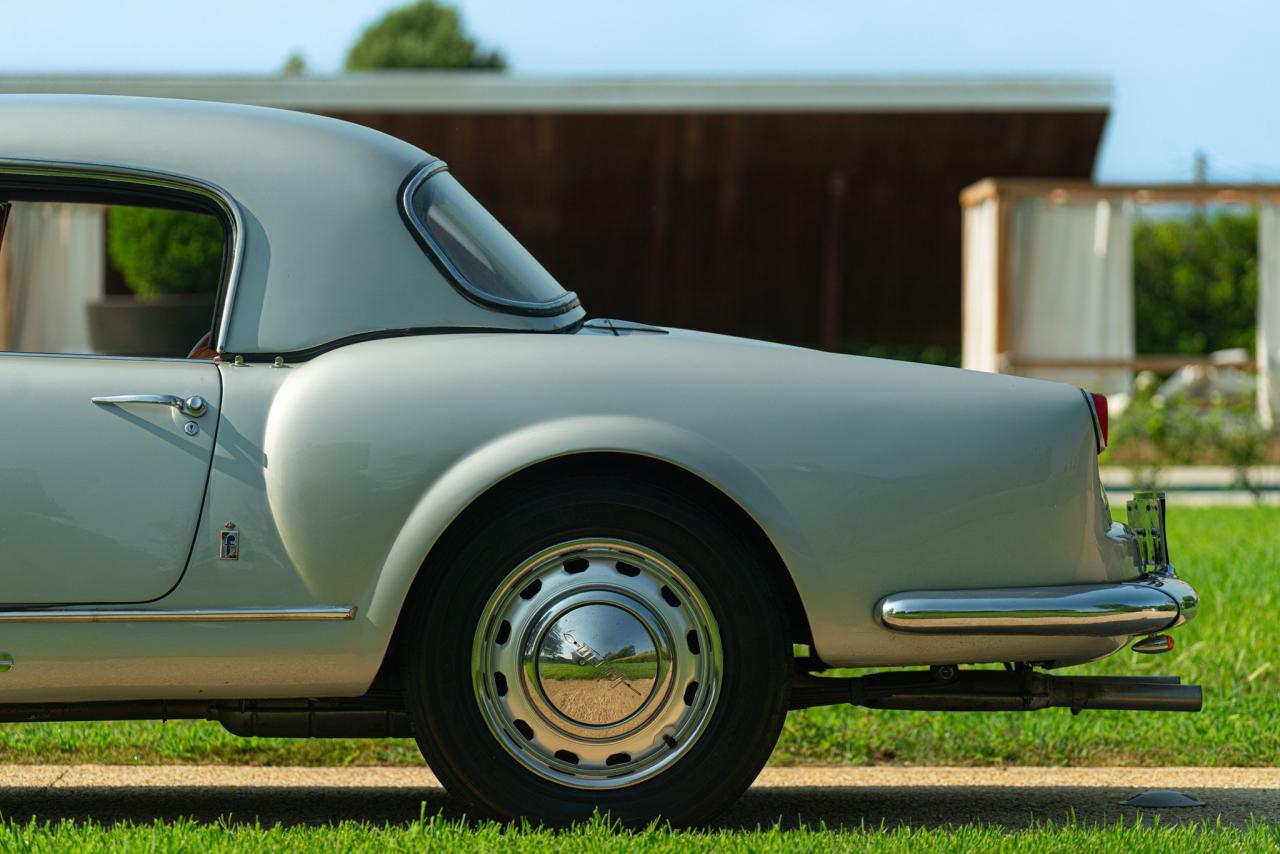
pixel 497 92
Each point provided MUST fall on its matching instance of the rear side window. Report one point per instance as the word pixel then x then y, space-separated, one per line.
pixel 94 278
pixel 482 257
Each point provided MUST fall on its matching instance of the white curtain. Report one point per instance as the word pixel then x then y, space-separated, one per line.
pixel 981 286
pixel 1269 314
pixel 1071 289
pixel 51 267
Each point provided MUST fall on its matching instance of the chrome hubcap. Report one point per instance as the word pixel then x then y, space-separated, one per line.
pixel 597 663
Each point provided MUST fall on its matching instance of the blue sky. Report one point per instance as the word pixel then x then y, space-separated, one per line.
pixel 1187 75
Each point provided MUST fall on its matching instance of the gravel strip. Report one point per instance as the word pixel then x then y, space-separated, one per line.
pixel 872 797
pixel 1145 778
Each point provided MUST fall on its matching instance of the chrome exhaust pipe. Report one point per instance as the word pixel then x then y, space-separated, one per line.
pixel 1119 692
pixel 954 690
pixel 949 689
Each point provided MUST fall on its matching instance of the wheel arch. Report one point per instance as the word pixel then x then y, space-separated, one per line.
pixel 641 447
pixel 654 470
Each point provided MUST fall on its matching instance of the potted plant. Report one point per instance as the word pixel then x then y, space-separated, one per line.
pixel 171 261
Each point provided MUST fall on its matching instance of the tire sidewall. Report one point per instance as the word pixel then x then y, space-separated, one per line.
pixel 748 713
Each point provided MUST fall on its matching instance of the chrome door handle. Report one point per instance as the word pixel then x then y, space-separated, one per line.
pixel 194 406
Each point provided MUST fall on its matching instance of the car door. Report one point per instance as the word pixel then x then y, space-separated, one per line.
pixel 103 466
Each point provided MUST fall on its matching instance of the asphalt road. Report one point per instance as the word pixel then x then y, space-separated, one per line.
pixel 838 797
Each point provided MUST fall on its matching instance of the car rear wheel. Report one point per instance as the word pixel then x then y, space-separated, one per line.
pixel 597 644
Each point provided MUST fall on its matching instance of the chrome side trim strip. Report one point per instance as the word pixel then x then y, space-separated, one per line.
pixel 176 615
pixel 1145 605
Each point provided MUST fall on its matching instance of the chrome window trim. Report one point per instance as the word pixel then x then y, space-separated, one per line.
pixel 34 355
pixel 559 305
pixel 160 180
pixel 177 615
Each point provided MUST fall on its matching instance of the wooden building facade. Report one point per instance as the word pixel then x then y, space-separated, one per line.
pixel 820 212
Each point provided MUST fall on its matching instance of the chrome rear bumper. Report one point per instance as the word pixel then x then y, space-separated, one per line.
pixel 1148 604
pixel 1155 601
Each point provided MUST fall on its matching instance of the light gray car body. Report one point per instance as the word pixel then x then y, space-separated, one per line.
pixel 400 399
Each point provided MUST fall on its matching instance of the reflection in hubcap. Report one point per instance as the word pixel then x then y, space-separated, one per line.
pixel 597 664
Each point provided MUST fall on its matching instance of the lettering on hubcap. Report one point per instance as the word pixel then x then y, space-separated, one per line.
pixel 600 663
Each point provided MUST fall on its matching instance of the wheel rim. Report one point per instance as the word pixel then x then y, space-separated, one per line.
pixel 597 663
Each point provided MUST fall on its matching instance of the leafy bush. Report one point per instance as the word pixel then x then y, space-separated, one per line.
pixel 1155 432
pixel 165 252
pixel 1195 281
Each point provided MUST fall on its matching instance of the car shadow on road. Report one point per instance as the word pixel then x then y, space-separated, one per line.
pixel 835 807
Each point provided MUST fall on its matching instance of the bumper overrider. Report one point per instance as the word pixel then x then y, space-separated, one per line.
pixel 1155 601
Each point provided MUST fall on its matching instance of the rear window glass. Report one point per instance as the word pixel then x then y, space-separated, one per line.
pixel 482 255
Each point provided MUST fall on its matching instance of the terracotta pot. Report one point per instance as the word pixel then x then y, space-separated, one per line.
pixel 158 326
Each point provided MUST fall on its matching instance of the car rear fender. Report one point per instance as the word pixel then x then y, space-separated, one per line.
pixel 490 464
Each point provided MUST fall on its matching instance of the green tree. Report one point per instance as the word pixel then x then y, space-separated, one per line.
pixel 295 65
pixel 1195 281
pixel 423 34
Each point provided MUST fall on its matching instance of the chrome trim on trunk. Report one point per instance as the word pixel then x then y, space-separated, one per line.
pixel 1147 526
pixel 1145 605
pixel 162 615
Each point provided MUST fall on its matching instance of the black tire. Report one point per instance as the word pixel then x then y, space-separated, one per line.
pixel 449 602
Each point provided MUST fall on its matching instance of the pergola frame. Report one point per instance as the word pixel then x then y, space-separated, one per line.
pixel 1006 193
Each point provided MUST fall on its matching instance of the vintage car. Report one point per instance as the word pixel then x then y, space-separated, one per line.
pixel 410 488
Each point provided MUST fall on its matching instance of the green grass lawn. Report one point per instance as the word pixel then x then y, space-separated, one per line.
pixel 1232 557
pixel 445 836
pixel 625 669
pixel 1232 649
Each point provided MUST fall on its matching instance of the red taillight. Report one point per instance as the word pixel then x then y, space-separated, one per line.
pixel 1099 402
